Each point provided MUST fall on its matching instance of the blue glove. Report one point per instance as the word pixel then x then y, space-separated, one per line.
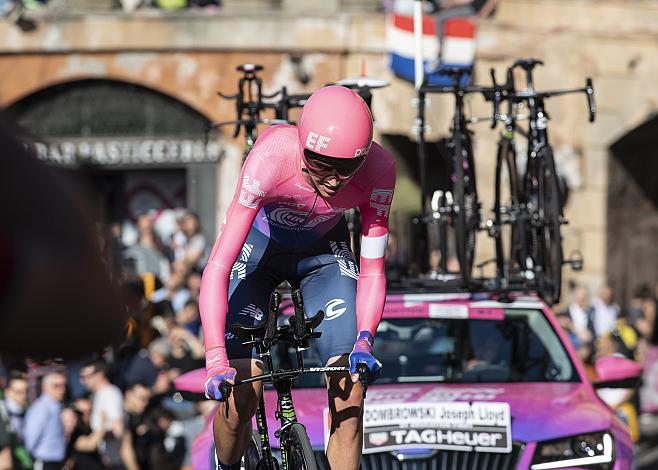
pixel 362 354
pixel 213 383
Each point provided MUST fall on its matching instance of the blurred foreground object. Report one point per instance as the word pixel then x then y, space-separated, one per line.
pixel 56 297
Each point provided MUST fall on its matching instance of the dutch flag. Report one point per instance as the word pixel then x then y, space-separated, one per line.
pixel 458 46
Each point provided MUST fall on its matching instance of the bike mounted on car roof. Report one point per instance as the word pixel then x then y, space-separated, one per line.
pixel 527 212
pixel 250 102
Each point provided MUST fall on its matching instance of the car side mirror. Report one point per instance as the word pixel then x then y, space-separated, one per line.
pixel 617 372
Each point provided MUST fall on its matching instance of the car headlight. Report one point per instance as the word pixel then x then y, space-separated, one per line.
pixel 592 449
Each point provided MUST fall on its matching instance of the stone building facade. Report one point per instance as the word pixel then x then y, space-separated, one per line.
pixel 188 56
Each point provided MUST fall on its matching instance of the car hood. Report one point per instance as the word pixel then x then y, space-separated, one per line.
pixel 540 411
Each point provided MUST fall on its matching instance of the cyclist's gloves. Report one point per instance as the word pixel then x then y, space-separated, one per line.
pixel 218 371
pixel 362 354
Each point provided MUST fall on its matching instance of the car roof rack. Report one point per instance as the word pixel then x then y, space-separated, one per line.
pixel 454 285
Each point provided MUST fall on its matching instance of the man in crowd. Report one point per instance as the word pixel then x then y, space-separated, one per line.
pixel 194 284
pixel 12 421
pixel 188 318
pixel 579 311
pixel 148 367
pixel 194 253
pixel 83 442
pixel 15 402
pixel 136 401
pixel 107 409
pixel 147 253
pixel 604 312
pixel 44 433
pixel 174 290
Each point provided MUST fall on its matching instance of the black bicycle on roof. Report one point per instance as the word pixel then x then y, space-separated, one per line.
pixel 296 450
pixel 528 208
pixel 459 207
pixel 250 102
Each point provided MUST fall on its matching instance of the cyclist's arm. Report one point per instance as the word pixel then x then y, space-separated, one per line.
pixel 371 285
pixel 213 298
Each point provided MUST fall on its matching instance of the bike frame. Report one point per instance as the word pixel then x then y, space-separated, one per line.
pixel 459 141
pixel 532 192
pixel 282 380
pixel 250 103
pixel 506 153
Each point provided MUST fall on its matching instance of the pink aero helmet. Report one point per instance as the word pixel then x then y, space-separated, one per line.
pixel 336 122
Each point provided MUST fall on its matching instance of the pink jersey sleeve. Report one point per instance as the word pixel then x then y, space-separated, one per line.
pixel 371 286
pixel 254 184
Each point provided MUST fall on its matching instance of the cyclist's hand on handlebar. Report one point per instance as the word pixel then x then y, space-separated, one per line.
pixel 362 354
pixel 218 374
pixel 215 386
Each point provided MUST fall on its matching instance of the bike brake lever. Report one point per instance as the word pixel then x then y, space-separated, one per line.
pixel 225 390
pixel 363 371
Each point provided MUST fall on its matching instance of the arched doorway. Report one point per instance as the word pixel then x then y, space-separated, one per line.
pixel 143 149
pixel 632 228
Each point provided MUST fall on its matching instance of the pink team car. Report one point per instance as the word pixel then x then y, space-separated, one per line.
pixel 470 382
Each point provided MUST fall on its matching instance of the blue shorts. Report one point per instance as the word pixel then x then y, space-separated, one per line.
pixel 326 272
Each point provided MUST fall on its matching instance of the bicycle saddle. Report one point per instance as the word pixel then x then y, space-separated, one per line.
pixel 249 68
pixel 527 64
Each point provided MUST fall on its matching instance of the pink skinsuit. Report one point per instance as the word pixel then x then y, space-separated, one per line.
pixel 274 198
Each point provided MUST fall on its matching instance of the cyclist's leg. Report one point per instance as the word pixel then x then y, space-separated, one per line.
pixel 346 418
pixel 329 284
pixel 249 293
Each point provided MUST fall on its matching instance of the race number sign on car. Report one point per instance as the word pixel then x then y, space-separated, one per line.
pixel 476 426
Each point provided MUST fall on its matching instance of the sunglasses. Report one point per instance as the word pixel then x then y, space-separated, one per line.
pixel 323 166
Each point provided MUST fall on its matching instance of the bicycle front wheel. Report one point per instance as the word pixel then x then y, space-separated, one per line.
pixel 550 234
pixel 509 256
pixel 253 455
pixel 299 451
pixel 467 215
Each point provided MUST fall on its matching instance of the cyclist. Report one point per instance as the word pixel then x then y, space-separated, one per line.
pixel 286 223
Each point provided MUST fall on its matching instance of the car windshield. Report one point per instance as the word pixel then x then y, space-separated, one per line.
pixel 523 347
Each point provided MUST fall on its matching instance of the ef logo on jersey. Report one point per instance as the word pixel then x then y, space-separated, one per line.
pixel 250 193
pixel 317 142
pixel 380 200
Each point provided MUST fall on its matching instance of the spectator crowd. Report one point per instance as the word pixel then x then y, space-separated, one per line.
pixel 117 409
pixel 599 326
